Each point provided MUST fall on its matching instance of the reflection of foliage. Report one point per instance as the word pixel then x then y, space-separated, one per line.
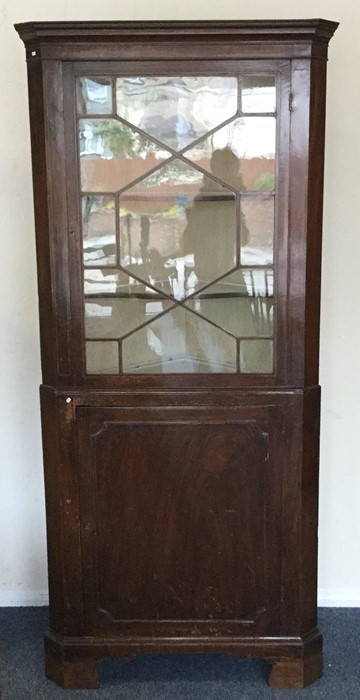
pixel 122 141
pixel 265 182
pixel 181 167
pixel 175 172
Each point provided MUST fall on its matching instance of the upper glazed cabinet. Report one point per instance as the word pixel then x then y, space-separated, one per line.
pixel 178 174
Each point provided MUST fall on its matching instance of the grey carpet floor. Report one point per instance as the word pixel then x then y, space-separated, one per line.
pixel 193 677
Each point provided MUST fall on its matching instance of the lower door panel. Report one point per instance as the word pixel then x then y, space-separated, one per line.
pixel 181 513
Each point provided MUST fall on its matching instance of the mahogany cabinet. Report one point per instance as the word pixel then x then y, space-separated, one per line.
pixel 178 174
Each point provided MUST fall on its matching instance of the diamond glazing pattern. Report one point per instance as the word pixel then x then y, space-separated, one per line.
pixel 178 187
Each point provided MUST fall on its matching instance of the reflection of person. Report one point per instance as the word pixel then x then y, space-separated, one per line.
pixel 210 234
pixel 210 240
pixel 225 165
pixel 232 304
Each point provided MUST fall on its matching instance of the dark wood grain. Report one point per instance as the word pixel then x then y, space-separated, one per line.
pixel 295 661
pixel 169 40
pixel 190 514
pixel 47 316
pixel 62 510
pixel 314 222
pixel 300 671
pixel 181 509
pixel 74 674
pixel 296 673
pixel 54 523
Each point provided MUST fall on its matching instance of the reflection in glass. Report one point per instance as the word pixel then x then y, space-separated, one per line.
pixel 256 356
pixel 98 230
pixel 257 233
pixel 246 151
pixel 258 93
pixel 179 110
pixel 112 155
pixel 178 342
pixel 241 303
pixel 178 229
pixel 102 357
pixel 176 234
pixel 116 304
pixel 94 96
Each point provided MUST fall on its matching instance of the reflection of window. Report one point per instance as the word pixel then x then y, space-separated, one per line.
pixel 94 96
pixel 258 93
pixel 259 282
pixel 97 93
pixel 176 110
pixel 90 143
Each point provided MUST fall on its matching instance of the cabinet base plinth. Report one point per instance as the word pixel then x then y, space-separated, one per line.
pixel 296 673
pixel 71 675
pixel 71 661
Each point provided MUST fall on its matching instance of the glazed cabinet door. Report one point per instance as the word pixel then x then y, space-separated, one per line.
pixel 177 211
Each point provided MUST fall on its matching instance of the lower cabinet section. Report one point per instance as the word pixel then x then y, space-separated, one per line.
pixel 182 527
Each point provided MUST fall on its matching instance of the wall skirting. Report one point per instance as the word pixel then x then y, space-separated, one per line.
pixel 23 597
pixel 339 598
pixel 327 598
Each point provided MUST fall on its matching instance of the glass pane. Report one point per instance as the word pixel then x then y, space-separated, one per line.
pixel 258 93
pixel 256 356
pixel 94 96
pixel 117 304
pixel 238 303
pixel 178 342
pixel 179 222
pixel 178 229
pixel 98 230
pixel 257 230
pixel 102 357
pixel 242 153
pixel 176 111
pixel 112 155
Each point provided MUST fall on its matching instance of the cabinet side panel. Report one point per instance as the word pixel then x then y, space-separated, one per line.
pixel 53 508
pixel 38 153
pixel 309 497
pixel 289 545
pixel 57 203
pixel 314 223
pixel 298 207
pixel 63 515
pixel 300 517
pixel 305 217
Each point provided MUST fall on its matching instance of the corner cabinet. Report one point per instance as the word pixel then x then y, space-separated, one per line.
pixel 178 172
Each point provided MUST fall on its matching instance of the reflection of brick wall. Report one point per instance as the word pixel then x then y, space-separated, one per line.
pixel 100 174
pixel 252 169
pixel 103 175
pixel 158 199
